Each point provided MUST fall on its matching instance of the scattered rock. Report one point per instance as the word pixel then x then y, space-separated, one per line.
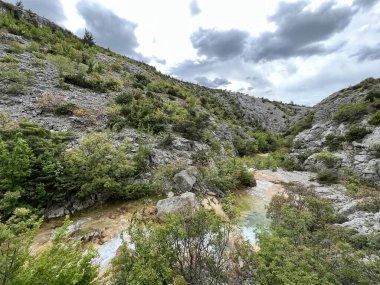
pixel 184 181
pixel 186 203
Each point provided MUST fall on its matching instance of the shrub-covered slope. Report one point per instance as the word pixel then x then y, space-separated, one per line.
pixel 90 125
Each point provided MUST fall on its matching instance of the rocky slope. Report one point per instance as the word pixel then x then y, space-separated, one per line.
pixel 341 126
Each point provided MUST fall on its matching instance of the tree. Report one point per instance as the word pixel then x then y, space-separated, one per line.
pixel 19 4
pixel 88 38
pixel 62 263
pixel 194 249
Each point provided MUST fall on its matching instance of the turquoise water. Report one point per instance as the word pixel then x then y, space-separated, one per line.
pixel 253 204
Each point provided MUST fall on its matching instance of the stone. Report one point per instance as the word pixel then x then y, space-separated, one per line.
pixel 186 204
pixel 184 181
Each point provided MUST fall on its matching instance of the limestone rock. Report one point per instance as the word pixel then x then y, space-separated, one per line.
pixel 184 181
pixel 186 203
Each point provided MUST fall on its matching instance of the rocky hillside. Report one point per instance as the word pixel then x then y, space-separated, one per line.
pixel 71 105
pixel 345 131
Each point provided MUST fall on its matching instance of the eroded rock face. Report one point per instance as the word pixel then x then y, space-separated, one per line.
pixel 186 204
pixel 184 181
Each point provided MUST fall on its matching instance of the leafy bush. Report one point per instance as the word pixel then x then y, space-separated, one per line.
pixel 245 147
pixel 292 164
pixel 94 83
pixel 376 150
pixel 157 258
pixel 375 119
pixel 356 133
pixel 328 176
pixel 15 47
pixel 327 158
pixel 351 112
pixel 334 143
pixel 373 94
pixel 304 124
pixel 9 59
pixel 65 109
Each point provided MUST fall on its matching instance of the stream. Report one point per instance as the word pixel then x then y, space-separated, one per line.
pixel 253 204
pixel 102 225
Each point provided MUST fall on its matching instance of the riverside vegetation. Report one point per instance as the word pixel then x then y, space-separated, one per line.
pixel 111 128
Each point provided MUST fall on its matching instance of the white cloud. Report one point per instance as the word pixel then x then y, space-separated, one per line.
pixel 164 29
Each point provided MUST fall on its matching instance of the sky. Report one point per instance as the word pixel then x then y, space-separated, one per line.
pixel 299 51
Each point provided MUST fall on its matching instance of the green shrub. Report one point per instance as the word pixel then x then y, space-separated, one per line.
pixel 375 119
pixel 351 112
pixel 304 124
pixel 116 67
pixel 334 143
pixel 328 176
pixel 95 83
pixel 15 47
pixel 327 158
pixel 356 133
pixel 247 178
pixel 371 204
pixel 10 59
pixel 245 147
pixel 376 150
pixel 292 164
pixel 373 94
pixel 65 109
pixel 16 88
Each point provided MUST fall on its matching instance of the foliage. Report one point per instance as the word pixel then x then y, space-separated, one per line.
pixel 15 80
pixel 328 176
pixel 329 159
pixel 333 142
pixel 30 164
pixel 305 247
pixel 62 263
pixel 356 133
pixel 351 112
pixel 88 38
pixel 15 47
pixel 97 166
pixel 303 124
pixel 95 83
pixel 375 119
pixel 181 249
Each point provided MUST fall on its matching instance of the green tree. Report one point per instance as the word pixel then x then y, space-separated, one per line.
pixel 181 247
pixel 62 263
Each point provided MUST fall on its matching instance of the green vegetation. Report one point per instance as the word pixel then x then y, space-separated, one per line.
pixel 303 124
pixel 14 79
pixel 327 158
pixel 356 133
pixel 183 250
pixel 351 112
pixel 61 263
pixel 306 247
pixel 375 119
pixel 334 143
pixel 328 176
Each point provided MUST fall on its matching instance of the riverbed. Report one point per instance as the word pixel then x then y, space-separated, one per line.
pixel 253 203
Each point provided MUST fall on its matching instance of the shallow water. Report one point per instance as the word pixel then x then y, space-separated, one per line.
pixel 106 222
pixel 253 204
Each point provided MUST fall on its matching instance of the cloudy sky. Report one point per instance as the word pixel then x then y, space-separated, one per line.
pixel 298 50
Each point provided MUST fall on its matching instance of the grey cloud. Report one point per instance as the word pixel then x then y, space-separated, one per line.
pixel 365 3
pixel 215 83
pixel 368 53
pixel 194 8
pixel 52 10
pixel 300 32
pixel 219 44
pixel 110 30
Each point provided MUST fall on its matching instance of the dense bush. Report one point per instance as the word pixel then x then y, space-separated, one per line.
pixel 328 176
pixel 333 142
pixel 161 252
pixel 375 119
pixel 303 124
pixel 356 133
pixel 351 112
pixel 327 158
pixel 95 83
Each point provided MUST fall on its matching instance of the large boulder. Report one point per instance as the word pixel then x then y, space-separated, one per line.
pixel 185 204
pixel 184 181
